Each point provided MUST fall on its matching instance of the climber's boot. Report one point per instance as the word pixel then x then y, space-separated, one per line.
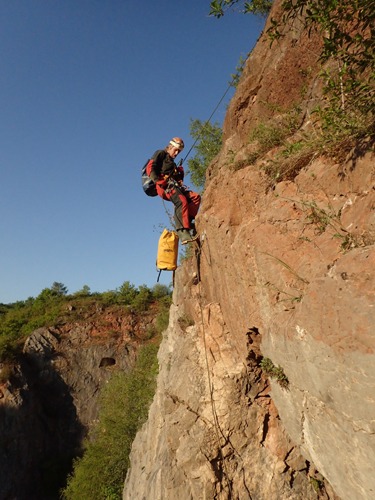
pixel 185 236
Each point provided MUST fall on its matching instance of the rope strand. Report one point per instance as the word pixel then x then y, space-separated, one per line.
pixel 217 429
pixel 207 121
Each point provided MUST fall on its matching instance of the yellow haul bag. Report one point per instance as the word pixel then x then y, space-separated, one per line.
pixel 167 251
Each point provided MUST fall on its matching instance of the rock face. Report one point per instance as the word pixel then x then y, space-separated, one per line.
pixel 51 401
pixel 286 273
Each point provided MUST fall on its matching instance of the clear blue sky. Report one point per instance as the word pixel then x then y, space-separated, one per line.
pixel 89 89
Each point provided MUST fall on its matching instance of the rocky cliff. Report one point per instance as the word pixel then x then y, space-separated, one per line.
pixel 266 387
pixel 51 400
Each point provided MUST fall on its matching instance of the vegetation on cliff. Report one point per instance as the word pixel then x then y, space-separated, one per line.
pixel 101 472
pixel 208 142
pixel 125 398
pixel 257 7
pixel 124 404
pixel 346 32
pixel 54 306
pixel 344 114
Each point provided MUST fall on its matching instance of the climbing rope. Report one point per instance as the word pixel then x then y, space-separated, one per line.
pixel 216 424
pixel 207 122
pixel 197 139
pixel 217 429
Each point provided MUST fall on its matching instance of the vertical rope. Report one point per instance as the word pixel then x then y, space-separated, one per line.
pixel 207 122
pixel 217 429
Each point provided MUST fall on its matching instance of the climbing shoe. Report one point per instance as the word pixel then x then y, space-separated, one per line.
pixel 186 237
pixel 190 240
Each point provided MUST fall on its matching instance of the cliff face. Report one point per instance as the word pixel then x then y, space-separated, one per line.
pixel 286 273
pixel 51 401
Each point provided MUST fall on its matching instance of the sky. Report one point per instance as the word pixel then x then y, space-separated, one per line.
pixel 89 90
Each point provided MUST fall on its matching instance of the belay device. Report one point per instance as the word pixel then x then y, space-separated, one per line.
pixel 167 252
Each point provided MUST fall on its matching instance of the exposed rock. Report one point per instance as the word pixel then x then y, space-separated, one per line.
pixel 287 274
pixel 213 431
pixel 51 400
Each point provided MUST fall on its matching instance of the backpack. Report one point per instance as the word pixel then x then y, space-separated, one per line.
pixel 167 251
pixel 148 184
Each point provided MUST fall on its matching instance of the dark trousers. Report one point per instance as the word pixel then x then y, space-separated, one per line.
pixel 186 205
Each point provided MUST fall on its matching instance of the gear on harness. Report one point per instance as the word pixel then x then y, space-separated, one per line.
pixel 168 180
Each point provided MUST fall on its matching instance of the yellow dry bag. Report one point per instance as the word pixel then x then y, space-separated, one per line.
pixel 167 251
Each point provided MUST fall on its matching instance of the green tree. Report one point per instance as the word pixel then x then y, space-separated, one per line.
pixel 159 291
pixel 127 292
pixel 208 139
pixel 58 289
pixel 84 292
pixel 256 7
pixel 143 298
pixel 45 295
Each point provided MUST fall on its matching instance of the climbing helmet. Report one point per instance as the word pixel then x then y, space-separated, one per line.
pixel 177 142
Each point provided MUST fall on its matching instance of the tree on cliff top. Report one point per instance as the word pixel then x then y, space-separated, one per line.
pixel 257 7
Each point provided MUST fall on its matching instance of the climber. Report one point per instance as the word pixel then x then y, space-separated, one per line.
pixel 168 178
